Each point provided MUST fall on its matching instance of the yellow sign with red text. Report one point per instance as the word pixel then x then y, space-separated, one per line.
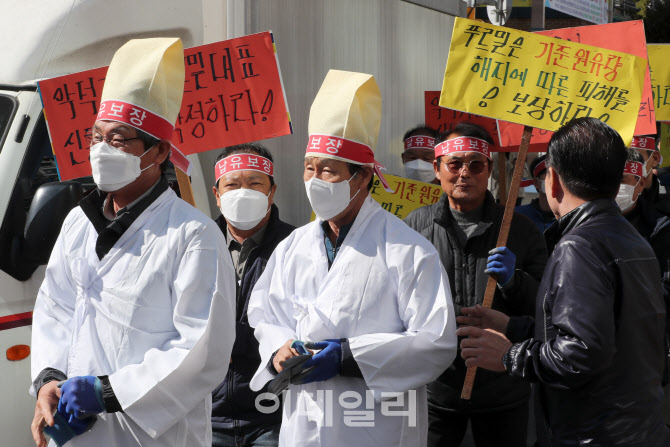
pixel 540 81
pixel 659 55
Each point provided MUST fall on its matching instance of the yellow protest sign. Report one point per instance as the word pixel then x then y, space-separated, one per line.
pixel 665 144
pixel 540 81
pixel 659 63
pixel 408 196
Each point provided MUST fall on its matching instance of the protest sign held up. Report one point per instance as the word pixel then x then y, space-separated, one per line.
pixel 442 119
pixel 233 94
pixel 540 81
pixel 627 37
pixel 408 195
pixel 659 55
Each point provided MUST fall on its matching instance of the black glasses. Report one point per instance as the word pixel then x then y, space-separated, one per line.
pixel 113 139
pixel 474 166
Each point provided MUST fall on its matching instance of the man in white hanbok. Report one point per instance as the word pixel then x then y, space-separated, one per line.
pixel 369 291
pixel 134 323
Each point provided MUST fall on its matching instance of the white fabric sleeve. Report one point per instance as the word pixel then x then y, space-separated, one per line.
pixel 173 379
pixel 398 362
pixel 53 313
pixel 270 312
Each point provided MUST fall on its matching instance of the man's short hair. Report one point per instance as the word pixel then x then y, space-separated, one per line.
pixel 420 129
pixel 246 148
pixel 150 142
pixel 589 156
pixel 466 129
pixel 536 162
pixel 633 155
pixel 354 168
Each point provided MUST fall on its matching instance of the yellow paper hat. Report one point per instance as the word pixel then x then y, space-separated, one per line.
pixel 345 118
pixel 144 85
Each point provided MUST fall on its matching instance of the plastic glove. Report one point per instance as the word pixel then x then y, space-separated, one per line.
pixel 293 368
pixel 63 430
pixel 81 396
pixel 501 263
pixel 326 363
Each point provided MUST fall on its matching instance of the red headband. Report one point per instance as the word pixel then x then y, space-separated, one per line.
pixel 146 121
pixel 463 144
pixel 648 143
pixel 243 162
pixel 633 168
pixel 420 142
pixel 136 116
pixel 346 150
pixel 541 166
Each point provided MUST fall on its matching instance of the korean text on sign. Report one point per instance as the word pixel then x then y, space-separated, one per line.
pixel 539 81
pixel 659 55
pixel 443 119
pixel 408 196
pixel 232 94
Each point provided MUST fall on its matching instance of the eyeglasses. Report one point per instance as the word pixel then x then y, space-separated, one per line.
pixel 113 139
pixel 474 166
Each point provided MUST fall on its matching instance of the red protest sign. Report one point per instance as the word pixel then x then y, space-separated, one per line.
pixel 442 119
pixel 510 137
pixel 626 37
pixel 233 94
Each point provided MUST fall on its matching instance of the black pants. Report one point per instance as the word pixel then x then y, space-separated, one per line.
pixel 508 428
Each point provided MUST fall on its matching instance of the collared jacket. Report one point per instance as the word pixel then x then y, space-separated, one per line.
pixel 233 403
pixel 598 344
pixel 145 300
pixel 385 292
pixel 465 267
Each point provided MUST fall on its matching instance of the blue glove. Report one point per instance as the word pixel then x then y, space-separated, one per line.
pixel 326 363
pixel 81 396
pixel 501 263
pixel 64 430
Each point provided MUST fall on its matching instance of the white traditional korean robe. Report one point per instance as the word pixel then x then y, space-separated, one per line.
pixel 156 315
pixel 388 293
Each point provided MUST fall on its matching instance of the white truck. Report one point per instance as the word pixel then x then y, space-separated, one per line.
pixel 42 39
pixel 404 45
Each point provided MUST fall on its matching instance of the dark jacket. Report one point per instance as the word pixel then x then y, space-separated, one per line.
pixel 653 196
pixel 465 267
pixel 233 402
pixel 597 350
pixel 655 229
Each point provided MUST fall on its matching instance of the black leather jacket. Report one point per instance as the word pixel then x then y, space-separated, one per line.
pixel 597 350
pixel 465 266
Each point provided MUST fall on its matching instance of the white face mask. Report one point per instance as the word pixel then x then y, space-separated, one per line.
pixel 625 197
pixel 328 199
pixel 645 171
pixel 112 168
pixel 420 170
pixel 244 208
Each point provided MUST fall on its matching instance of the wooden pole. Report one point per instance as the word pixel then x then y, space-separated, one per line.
pixel 185 188
pixel 502 239
pixel 502 177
